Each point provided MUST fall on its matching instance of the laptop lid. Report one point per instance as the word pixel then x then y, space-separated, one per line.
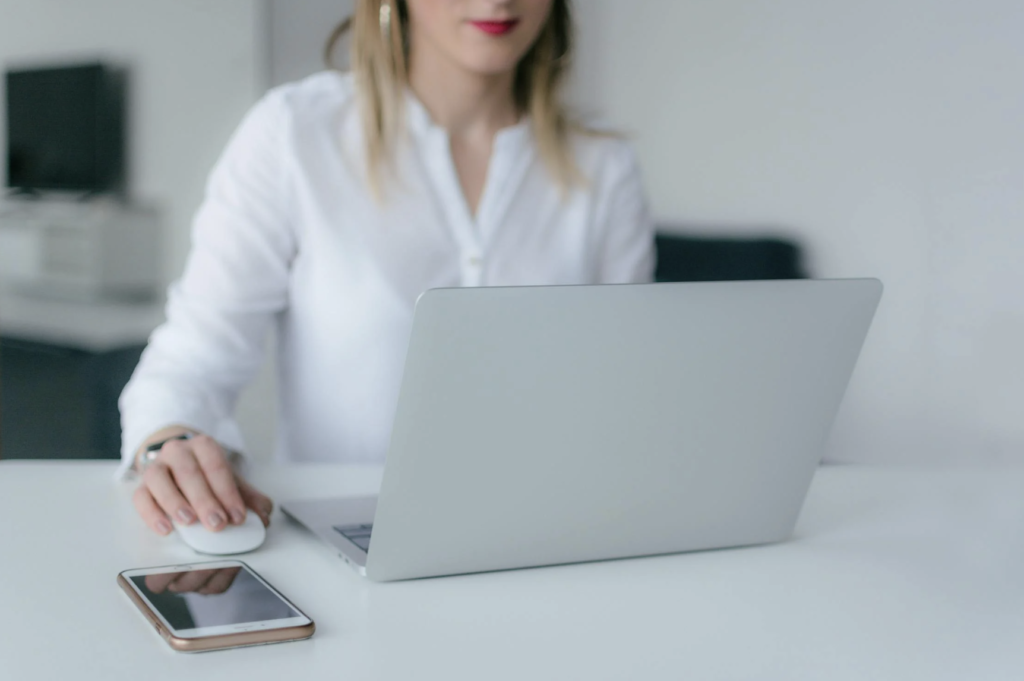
pixel 547 425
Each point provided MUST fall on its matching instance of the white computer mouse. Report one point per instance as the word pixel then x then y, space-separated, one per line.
pixel 232 539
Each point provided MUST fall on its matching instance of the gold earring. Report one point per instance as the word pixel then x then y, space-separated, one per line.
pixel 385 21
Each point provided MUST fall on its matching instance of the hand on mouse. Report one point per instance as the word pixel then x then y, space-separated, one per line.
pixel 194 480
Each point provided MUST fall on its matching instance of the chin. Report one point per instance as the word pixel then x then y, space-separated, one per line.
pixel 490 64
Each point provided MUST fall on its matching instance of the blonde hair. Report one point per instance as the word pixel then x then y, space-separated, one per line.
pixel 379 60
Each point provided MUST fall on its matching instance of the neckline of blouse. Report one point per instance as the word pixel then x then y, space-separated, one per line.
pixel 421 124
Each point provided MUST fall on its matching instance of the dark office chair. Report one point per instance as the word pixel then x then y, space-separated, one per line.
pixel 714 258
pixel 59 402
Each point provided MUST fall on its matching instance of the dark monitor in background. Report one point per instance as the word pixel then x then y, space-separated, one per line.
pixel 66 129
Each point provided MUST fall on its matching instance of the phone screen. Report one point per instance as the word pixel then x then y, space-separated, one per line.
pixel 211 597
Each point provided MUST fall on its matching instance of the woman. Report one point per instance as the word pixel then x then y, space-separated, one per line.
pixel 443 159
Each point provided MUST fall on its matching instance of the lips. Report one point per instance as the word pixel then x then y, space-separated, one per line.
pixel 496 27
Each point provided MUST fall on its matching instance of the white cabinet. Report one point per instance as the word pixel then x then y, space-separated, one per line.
pixel 79 250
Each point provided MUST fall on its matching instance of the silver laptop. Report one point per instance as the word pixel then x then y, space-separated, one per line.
pixel 547 425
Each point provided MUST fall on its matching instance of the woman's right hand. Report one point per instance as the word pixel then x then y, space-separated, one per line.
pixel 194 481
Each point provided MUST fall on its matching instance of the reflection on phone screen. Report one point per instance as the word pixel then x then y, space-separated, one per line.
pixel 211 598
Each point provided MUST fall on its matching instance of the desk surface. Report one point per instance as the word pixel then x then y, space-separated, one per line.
pixel 891 574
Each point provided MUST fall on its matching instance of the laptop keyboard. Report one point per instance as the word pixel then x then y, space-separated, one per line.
pixel 357 534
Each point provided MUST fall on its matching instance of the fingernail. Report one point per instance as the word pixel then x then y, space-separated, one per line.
pixel 215 519
pixel 186 516
pixel 162 526
pixel 237 516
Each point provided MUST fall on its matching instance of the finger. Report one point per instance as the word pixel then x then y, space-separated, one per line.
pixel 256 500
pixel 191 480
pixel 220 582
pixel 220 476
pixel 158 480
pixel 150 511
pixel 157 583
pixel 191 581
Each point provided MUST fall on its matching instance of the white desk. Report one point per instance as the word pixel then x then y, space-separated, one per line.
pixel 892 574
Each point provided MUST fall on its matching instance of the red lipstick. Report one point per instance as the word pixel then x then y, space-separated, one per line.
pixel 496 27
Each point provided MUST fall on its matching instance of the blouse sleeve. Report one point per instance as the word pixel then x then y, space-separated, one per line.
pixel 235 282
pixel 627 250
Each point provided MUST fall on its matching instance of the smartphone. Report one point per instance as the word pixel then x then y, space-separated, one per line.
pixel 215 605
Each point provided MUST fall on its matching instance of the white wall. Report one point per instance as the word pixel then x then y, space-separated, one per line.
pixel 298 32
pixel 196 66
pixel 889 136
pixel 194 71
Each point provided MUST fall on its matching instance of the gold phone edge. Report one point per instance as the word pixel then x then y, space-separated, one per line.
pixel 221 642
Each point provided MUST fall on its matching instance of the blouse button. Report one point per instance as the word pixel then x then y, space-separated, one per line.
pixel 474 261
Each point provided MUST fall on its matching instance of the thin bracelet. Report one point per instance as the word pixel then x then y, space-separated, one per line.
pixel 152 451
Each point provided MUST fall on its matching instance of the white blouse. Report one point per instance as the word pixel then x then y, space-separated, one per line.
pixel 290 237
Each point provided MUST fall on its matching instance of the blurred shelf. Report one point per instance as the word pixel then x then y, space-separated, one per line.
pixel 100 326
